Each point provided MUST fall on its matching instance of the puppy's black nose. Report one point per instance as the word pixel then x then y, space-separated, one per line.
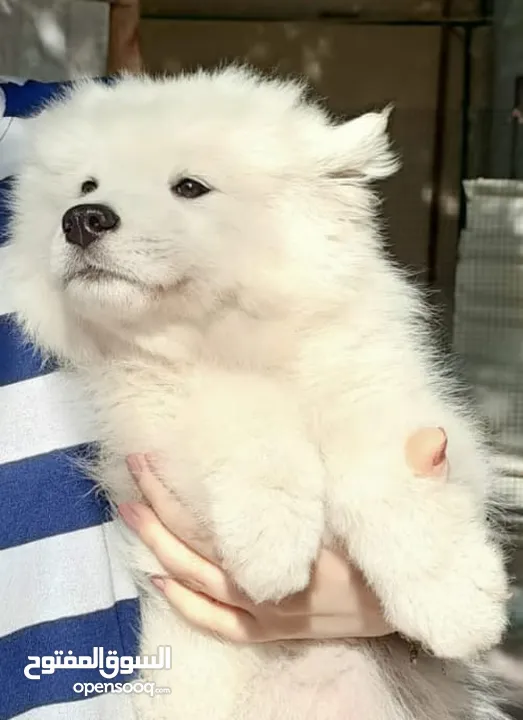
pixel 83 224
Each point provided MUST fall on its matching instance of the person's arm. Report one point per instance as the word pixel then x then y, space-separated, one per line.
pixel 337 604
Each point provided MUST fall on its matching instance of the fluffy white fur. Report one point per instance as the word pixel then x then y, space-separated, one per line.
pixel 260 343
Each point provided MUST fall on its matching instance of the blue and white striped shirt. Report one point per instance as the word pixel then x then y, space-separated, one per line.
pixel 61 586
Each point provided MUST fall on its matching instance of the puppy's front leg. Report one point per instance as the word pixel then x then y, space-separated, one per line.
pixel 269 518
pixel 255 480
pixel 426 549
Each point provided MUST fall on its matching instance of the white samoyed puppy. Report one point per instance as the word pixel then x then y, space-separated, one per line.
pixel 204 251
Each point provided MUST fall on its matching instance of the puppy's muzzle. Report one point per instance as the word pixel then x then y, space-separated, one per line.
pixel 84 224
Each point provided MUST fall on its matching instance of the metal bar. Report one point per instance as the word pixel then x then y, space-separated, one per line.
pixel 334 19
pixel 517 120
pixel 439 147
pixel 486 7
pixel 465 123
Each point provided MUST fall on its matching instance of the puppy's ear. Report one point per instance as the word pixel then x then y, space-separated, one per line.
pixel 361 149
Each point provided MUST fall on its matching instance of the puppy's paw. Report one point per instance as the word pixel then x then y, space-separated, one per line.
pixel 461 613
pixel 273 555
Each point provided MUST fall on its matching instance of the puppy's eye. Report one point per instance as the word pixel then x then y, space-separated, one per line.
pixel 189 189
pixel 88 186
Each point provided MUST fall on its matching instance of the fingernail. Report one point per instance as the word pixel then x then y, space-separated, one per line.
pixel 130 513
pixel 440 454
pixel 136 465
pixel 158 582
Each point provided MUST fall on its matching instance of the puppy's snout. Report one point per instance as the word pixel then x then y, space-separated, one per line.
pixel 83 224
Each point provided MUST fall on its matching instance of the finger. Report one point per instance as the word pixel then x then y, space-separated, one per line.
pixel 338 603
pixel 426 452
pixel 179 561
pixel 173 515
pixel 357 627
pixel 232 624
pixel 337 588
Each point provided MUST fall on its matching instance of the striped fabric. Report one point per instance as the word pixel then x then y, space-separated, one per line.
pixel 61 586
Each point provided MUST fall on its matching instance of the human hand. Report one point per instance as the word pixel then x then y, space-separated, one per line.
pixel 338 603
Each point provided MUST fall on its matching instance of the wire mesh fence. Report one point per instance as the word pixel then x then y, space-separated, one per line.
pixel 488 317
